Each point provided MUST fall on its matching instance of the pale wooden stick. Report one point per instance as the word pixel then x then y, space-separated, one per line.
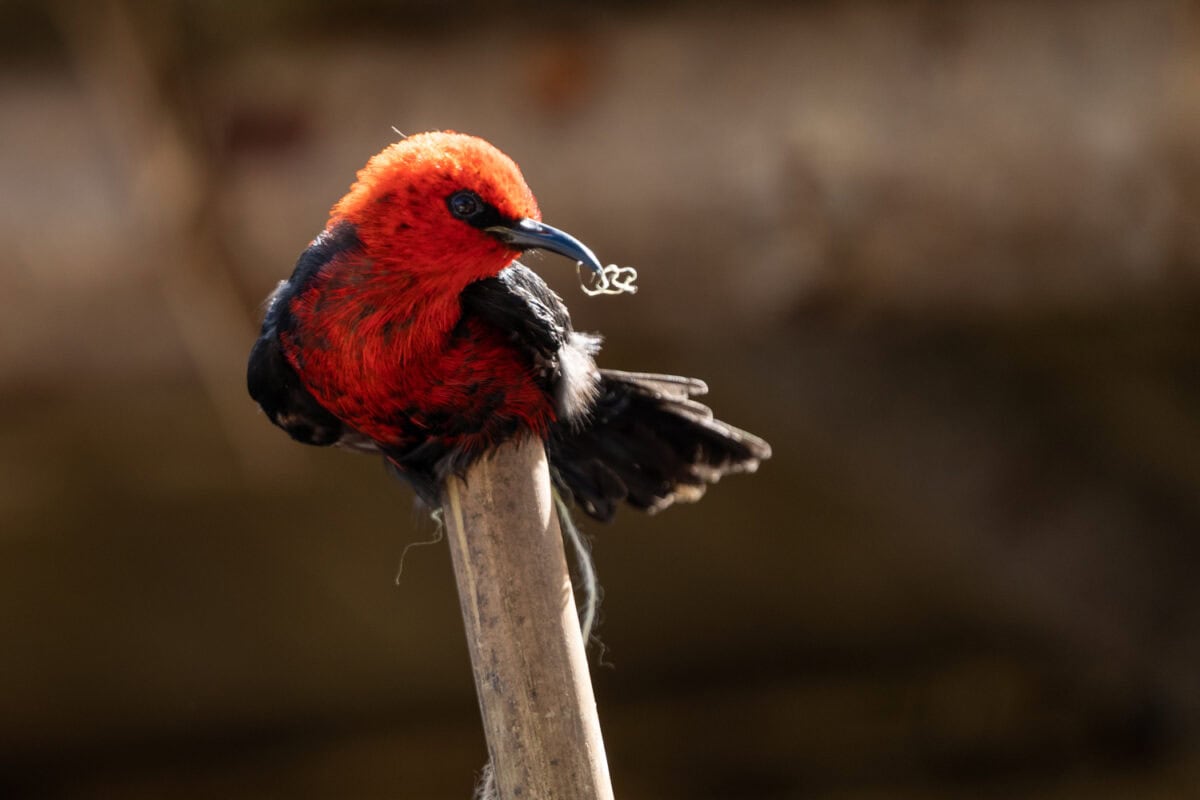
pixel 531 675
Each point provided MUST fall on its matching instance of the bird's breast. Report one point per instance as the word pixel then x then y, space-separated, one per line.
pixel 401 371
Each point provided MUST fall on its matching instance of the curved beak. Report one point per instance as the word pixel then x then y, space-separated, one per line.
pixel 529 234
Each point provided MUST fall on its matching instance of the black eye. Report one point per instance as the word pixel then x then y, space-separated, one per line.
pixel 465 204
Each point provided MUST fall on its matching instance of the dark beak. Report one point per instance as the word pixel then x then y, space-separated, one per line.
pixel 529 234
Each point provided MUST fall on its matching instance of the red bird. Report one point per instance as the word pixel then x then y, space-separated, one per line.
pixel 409 329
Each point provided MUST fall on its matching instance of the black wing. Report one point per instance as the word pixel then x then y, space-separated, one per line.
pixel 649 443
pixel 272 382
pixel 519 301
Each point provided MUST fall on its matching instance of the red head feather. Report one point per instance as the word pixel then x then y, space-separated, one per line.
pixel 398 205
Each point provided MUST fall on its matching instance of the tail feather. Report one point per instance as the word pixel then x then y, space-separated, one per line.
pixel 650 444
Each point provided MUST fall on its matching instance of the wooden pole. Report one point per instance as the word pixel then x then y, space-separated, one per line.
pixel 531 675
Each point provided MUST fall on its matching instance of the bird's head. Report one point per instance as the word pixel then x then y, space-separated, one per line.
pixel 448 204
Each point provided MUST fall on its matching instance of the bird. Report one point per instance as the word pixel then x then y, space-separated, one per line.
pixel 408 328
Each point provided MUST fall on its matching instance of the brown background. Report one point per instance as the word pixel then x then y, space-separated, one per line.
pixel 945 257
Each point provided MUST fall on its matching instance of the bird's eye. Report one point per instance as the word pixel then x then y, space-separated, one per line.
pixel 465 204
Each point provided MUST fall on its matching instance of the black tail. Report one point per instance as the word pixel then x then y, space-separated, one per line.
pixel 648 443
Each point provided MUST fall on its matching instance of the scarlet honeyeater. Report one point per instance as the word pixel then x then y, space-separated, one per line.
pixel 409 329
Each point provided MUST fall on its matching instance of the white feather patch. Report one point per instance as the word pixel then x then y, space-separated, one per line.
pixel 579 380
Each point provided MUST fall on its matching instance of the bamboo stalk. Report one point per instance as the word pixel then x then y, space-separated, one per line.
pixel 531 675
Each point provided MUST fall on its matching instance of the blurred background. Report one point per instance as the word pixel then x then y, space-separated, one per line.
pixel 944 256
